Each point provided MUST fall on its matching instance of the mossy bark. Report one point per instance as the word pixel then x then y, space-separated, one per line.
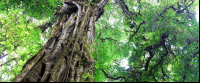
pixel 66 55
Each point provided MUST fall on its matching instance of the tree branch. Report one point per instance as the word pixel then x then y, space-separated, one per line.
pixel 112 77
pixel 11 22
pixel 8 61
pixel 137 29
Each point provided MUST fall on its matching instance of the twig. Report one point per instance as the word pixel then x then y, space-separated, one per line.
pixel 11 22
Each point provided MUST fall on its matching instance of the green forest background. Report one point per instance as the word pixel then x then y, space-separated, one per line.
pixel 165 39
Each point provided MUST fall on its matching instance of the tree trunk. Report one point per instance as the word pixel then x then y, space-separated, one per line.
pixel 66 55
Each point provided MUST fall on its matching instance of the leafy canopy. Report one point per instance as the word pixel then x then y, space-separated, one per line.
pixel 175 60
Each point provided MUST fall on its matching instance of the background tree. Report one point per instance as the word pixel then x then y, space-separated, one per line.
pixel 158 38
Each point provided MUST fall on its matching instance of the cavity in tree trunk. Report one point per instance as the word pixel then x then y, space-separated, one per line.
pixel 66 55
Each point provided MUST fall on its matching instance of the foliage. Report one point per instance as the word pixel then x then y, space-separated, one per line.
pixel 174 61
pixel 19 41
pixel 114 43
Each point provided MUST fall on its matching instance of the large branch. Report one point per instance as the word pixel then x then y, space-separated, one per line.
pixel 125 8
pixel 149 48
pixel 137 29
pixel 112 77
pixel 155 46
pixel 179 6
pixel 126 11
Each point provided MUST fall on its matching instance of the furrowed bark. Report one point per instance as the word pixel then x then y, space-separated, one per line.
pixel 66 55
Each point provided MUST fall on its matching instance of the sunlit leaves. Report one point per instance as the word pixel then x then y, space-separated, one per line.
pixel 20 40
pixel 179 38
pixel 112 40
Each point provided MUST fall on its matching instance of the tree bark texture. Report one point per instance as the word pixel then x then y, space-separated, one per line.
pixel 66 56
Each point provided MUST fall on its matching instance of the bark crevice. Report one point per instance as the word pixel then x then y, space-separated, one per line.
pixel 66 56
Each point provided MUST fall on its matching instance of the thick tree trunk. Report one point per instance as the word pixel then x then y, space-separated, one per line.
pixel 66 55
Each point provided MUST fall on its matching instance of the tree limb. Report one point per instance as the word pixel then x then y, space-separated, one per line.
pixel 112 77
